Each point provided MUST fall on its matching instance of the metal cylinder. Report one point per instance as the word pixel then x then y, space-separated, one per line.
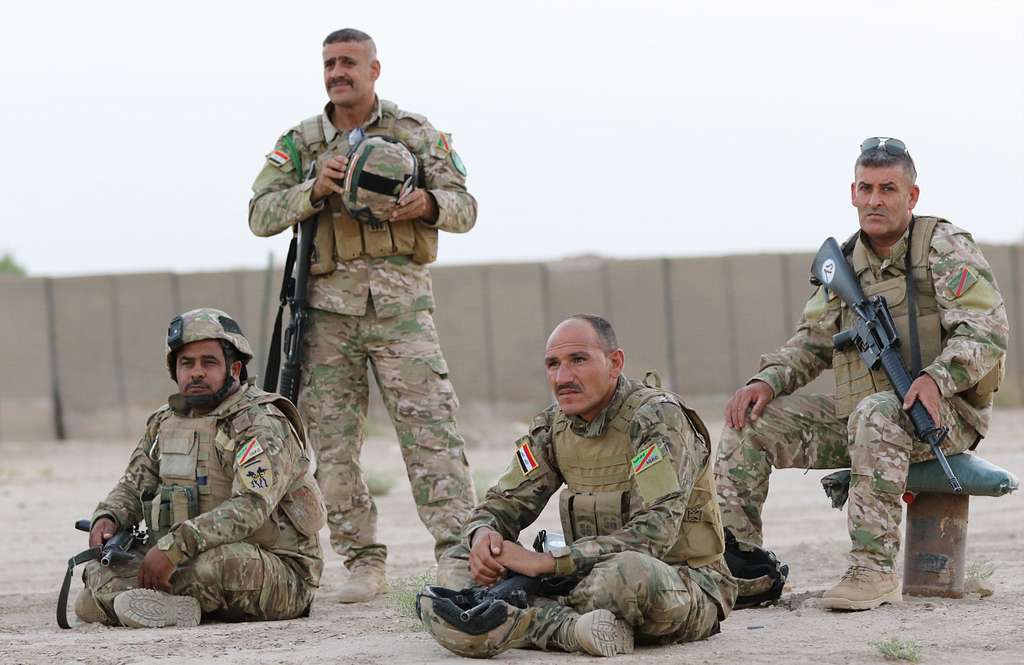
pixel 936 542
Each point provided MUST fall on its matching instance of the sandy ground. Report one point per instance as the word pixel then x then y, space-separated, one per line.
pixel 44 487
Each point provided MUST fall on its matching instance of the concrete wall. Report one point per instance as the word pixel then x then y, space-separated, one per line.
pixel 85 354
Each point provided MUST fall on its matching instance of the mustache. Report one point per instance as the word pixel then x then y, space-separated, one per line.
pixel 341 79
pixel 198 384
pixel 574 387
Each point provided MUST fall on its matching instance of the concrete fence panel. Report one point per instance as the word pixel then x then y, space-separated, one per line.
pixel 576 286
pixel 796 290
pixel 26 389
pixel 758 309
pixel 517 311
pixel 461 320
pixel 1002 260
pixel 637 310
pixel 703 332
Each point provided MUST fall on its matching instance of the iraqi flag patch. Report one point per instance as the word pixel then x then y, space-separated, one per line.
pixel 646 458
pixel 278 157
pixel 248 452
pixel 527 462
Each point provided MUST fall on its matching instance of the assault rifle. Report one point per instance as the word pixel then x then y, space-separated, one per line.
pixel 876 338
pixel 293 293
pixel 117 549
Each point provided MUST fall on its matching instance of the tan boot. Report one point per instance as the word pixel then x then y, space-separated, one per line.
pixel 599 633
pixel 863 589
pixel 146 608
pixel 364 583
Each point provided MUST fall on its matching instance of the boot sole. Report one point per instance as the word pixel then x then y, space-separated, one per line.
pixel 146 608
pixel 599 633
pixel 894 596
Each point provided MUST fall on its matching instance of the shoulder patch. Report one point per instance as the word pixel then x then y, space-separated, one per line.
pixel 258 476
pixel 961 281
pixel 527 462
pixel 457 163
pixel 248 452
pixel 646 458
pixel 278 158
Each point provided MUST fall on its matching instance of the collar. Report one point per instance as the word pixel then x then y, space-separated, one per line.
pixel 864 257
pixel 599 424
pixel 331 132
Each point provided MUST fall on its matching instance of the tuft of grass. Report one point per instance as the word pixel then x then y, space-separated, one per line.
pixel 402 593
pixel 980 570
pixel 893 648
pixel 379 484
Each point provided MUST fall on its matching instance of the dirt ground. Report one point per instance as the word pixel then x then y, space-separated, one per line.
pixel 44 487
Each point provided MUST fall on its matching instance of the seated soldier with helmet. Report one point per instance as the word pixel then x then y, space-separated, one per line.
pixel 645 541
pixel 224 482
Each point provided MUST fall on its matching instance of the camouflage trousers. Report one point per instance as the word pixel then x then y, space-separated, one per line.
pixel 233 582
pixel 664 604
pixel 404 353
pixel 802 431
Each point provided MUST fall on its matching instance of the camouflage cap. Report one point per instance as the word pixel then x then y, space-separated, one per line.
pixel 204 323
pixel 380 170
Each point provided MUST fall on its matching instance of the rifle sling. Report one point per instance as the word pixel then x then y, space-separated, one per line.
pixel 915 346
pixel 273 368
pixel 62 599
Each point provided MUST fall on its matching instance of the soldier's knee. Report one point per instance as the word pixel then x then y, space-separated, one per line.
pixel 883 406
pixel 88 610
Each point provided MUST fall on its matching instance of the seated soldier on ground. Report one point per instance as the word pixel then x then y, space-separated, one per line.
pixel 223 480
pixel 644 536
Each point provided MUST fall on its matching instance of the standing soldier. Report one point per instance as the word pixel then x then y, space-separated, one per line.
pixel 222 478
pixel 371 299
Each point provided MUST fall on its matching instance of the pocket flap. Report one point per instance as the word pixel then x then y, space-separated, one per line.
pixel 177 444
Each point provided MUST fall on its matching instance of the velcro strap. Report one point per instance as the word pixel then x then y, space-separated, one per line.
pixel 379 184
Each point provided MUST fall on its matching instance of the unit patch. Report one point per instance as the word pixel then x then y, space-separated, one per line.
pixel 248 452
pixel 444 142
pixel 646 458
pixel 258 476
pixel 527 462
pixel 278 157
pixel 960 282
pixel 457 163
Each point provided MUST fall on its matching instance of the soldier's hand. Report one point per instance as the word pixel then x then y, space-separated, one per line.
pixel 332 173
pixel 756 393
pixel 483 566
pixel 416 204
pixel 156 570
pixel 101 531
pixel 518 559
pixel 925 389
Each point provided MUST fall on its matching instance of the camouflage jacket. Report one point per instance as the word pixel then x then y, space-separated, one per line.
pixel 975 328
pixel 515 502
pixel 281 198
pixel 248 508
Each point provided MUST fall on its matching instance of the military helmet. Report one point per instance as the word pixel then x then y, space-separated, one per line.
pixel 380 171
pixel 205 323
pixel 499 628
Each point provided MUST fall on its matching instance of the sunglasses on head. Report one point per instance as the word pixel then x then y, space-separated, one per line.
pixel 894 147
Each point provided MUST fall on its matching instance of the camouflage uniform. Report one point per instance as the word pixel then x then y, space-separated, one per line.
pixel 253 556
pixel 872 434
pixel 632 565
pixel 374 309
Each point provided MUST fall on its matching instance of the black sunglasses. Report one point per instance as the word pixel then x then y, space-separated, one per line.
pixel 894 147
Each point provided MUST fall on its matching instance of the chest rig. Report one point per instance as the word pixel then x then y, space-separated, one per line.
pixel 339 237
pixel 196 466
pixel 854 381
pixel 600 495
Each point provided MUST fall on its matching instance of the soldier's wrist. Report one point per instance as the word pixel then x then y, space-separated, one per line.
pixel 169 546
pixel 564 565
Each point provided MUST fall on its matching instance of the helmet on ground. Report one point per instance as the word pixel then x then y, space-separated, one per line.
pixel 758 573
pixel 380 171
pixel 444 614
pixel 205 323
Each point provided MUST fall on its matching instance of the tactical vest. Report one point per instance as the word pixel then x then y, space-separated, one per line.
pixel 598 498
pixel 339 237
pixel 854 381
pixel 193 453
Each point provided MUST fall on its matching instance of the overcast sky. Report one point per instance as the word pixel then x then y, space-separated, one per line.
pixel 133 131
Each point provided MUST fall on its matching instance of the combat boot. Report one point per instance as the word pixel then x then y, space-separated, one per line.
pixel 600 633
pixel 365 582
pixel 863 589
pixel 147 608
